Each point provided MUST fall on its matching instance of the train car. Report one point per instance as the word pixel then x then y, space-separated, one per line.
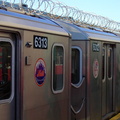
pixel 34 68
pixel 95 72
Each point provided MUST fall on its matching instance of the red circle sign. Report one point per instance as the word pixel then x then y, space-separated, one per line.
pixel 95 68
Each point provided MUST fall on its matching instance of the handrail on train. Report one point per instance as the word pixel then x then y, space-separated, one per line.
pixel 78 111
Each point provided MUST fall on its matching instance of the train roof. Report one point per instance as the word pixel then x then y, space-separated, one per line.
pixel 21 21
pixel 88 33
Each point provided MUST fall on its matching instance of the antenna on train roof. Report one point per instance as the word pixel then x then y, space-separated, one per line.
pixel 58 10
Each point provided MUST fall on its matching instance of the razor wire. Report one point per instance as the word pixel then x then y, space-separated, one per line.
pixel 58 10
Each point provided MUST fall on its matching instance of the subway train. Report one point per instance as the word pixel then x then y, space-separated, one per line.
pixel 56 70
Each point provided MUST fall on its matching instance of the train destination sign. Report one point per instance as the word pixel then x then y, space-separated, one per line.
pixel 95 47
pixel 40 42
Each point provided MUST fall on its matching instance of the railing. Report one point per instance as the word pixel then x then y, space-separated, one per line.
pixel 58 10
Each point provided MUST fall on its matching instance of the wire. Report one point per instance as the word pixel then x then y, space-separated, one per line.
pixel 58 10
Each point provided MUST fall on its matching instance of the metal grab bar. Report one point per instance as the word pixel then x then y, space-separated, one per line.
pixel 78 111
pixel 78 84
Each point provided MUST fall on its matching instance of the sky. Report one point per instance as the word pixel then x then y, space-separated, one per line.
pixel 106 8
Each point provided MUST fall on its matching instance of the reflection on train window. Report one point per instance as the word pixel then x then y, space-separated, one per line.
pixel 110 57
pixel 76 65
pixel 5 70
pixel 58 67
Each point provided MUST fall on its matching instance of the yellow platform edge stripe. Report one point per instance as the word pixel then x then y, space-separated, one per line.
pixel 117 117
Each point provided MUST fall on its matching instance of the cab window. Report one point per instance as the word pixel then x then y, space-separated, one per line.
pixel 58 68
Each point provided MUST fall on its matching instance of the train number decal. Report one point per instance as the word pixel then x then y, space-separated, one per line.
pixel 40 72
pixel 95 68
pixel 40 42
pixel 95 47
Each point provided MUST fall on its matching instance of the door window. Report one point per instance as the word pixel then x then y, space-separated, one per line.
pixel 76 65
pixel 6 67
pixel 110 57
pixel 103 63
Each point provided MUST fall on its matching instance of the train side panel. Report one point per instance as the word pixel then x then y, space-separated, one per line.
pixel 102 79
pixel 46 77
pixel 35 57
pixel 94 81
pixel 117 84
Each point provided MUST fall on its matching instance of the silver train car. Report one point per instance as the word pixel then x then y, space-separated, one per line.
pixel 54 70
pixel 34 68
pixel 95 73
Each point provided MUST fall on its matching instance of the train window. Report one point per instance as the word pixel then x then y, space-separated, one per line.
pixel 110 57
pixel 76 65
pixel 103 63
pixel 58 68
pixel 5 69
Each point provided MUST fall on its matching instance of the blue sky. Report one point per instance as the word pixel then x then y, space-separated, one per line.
pixel 106 8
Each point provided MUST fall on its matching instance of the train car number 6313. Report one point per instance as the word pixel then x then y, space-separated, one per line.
pixel 40 42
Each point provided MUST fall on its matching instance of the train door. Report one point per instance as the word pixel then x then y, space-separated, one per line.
pixel 107 78
pixel 78 84
pixel 7 101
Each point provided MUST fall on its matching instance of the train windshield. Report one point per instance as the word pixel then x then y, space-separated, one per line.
pixel 5 69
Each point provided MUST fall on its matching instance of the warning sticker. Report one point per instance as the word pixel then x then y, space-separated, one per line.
pixel 95 68
pixel 40 72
